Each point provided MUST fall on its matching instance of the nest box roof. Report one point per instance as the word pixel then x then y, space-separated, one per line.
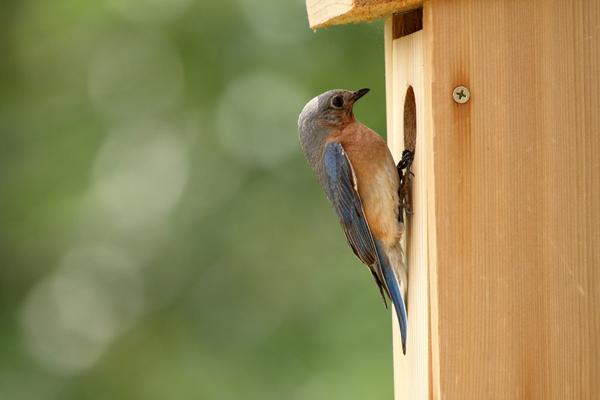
pixel 323 13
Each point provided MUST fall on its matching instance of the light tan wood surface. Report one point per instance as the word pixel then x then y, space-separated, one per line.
pixel 404 76
pixel 323 13
pixel 516 198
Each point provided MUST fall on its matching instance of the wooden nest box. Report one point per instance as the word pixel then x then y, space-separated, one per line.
pixel 502 99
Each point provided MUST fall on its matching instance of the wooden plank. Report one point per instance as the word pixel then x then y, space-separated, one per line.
pixel 323 13
pixel 389 81
pixel 405 76
pixel 406 23
pixel 515 193
pixel 434 369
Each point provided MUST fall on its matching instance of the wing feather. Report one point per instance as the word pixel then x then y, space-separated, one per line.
pixel 341 187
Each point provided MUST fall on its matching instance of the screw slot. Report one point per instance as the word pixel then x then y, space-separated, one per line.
pixel 461 94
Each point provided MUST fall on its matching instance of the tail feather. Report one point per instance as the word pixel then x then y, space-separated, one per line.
pixel 396 297
pixel 393 284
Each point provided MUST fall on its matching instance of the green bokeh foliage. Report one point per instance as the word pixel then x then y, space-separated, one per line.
pixel 243 285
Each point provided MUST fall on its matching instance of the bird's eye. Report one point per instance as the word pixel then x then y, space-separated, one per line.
pixel 337 102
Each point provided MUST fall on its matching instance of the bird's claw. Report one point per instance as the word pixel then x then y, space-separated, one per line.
pixel 406 160
pixel 406 176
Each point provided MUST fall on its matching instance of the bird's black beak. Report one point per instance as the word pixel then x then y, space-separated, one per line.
pixel 359 93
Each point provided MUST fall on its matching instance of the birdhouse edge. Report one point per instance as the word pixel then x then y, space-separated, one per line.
pixel 325 13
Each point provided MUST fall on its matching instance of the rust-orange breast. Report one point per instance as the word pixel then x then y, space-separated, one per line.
pixel 377 179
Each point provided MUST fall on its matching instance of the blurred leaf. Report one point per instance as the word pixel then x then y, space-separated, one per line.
pixel 166 133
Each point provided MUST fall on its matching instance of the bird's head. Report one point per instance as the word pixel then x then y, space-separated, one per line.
pixel 332 108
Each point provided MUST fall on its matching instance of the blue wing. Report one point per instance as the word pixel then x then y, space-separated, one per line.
pixel 341 189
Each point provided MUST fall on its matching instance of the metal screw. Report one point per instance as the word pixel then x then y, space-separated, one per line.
pixel 461 94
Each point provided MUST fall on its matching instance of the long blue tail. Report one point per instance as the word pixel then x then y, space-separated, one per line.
pixel 393 285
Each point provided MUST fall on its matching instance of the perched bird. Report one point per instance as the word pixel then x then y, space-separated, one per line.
pixel 355 168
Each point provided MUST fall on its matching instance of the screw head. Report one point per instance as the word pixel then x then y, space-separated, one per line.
pixel 461 94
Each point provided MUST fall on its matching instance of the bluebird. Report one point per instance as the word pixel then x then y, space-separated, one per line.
pixel 357 172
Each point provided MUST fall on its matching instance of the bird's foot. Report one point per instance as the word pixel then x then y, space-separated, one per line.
pixel 406 176
pixel 406 161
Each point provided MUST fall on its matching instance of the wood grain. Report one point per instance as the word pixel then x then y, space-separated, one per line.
pixel 323 13
pixel 405 75
pixel 407 22
pixel 515 197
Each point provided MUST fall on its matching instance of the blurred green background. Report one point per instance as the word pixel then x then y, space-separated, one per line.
pixel 161 236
